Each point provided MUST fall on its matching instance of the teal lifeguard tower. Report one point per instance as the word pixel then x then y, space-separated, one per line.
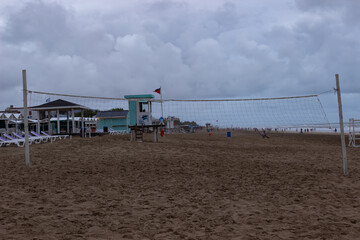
pixel 140 116
pixel 140 109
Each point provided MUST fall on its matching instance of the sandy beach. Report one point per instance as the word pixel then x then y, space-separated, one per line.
pixel 187 186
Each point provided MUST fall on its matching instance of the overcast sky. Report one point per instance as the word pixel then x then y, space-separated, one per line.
pixel 193 49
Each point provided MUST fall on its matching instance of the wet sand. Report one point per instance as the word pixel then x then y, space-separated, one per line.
pixel 187 186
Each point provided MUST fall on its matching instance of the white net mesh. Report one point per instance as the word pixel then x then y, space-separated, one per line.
pixel 96 103
pixel 302 111
pixel 285 112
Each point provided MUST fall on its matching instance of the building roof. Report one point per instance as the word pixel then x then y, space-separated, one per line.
pixel 76 119
pixel 8 116
pixel 112 114
pixel 139 96
pixel 57 104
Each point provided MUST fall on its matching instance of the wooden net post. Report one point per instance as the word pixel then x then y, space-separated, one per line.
pixel 343 146
pixel 26 122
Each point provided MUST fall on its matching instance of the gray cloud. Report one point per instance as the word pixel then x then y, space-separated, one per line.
pixel 40 24
pixel 307 5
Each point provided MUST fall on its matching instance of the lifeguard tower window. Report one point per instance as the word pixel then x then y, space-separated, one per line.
pixel 145 106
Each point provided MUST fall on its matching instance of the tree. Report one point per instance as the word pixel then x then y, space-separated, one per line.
pixel 87 113
pixel 116 109
pixel 192 123
pixel 92 113
pixel 177 122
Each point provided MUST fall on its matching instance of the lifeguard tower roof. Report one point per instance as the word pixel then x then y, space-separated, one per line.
pixel 139 96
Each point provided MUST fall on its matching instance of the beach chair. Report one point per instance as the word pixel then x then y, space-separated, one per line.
pixel 59 136
pixel 13 138
pixel 51 138
pixel 34 138
pixel 43 138
pixel 113 132
pixel 31 139
pixel 18 142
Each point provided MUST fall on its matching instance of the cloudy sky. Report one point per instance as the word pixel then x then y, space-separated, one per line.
pixel 193 49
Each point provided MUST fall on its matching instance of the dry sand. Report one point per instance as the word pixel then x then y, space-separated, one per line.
pixel 187 186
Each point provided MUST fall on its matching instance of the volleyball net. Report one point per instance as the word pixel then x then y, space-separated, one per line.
pixel 285 112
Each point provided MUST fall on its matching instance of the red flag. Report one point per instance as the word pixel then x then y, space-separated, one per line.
pixel 158 90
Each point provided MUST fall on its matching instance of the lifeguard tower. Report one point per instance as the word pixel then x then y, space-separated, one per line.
pixel 140 116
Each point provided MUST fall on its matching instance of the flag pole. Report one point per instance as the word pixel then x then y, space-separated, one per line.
pixel 162 110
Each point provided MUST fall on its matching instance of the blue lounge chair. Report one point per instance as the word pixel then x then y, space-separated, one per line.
pixel 6 142
pixel 42 139
pixel 59 136
pixel 9 137
pixel 51 138
pixel 32 139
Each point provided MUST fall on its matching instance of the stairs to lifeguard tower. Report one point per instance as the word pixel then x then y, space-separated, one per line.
pixel 139 134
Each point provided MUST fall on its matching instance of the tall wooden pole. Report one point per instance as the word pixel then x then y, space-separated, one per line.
pixel 49 122
pixel 67 122
pixel 82 123
pixel 58 120
pixel 343 146
pixel 73 120
pixel 26 122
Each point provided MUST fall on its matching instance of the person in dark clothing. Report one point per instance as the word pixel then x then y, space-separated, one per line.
pixel 264 135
